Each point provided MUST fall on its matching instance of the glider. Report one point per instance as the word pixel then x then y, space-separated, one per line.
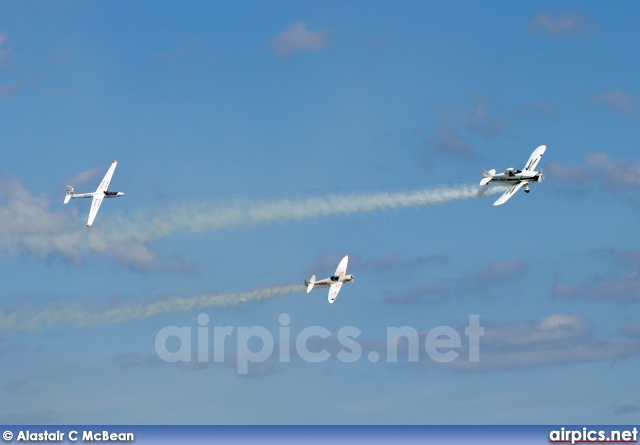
pixel 334 283
pixel 97 196
pixel 516 179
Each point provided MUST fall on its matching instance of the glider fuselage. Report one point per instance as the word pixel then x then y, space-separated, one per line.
pixel 106 194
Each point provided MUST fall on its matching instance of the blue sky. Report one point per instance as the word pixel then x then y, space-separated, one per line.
pixel 258 143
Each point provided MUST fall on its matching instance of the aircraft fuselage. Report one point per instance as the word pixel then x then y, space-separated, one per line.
pixel 106 194
pixel 331 280
pixel 516 176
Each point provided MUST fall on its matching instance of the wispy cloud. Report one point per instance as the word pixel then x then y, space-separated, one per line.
pixel 15 385
pixel 82 178
pixel 614 176
pixel 631 408
pixel 139 257
pixel 391 266
pixel 23 319
pixel 620 101
pixel 626 288
pixel 177 54
pixel 560 25
pixel 394 263
pixel 537 109
pixel 28 224
pixel 9 90
pixel 448 140
pixel 6 50
pixel 623 287
pixel 298 39
pixel 557 339
pixel 616 173
pixel 574 174
pixel 475 282
pixel 632 331
pixel 459 124
pixel 552 340
pixel 482 119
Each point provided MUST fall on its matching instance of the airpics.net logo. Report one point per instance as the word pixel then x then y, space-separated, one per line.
pixel 245 346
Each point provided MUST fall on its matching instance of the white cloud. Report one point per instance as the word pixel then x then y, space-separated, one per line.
pixel 625 288
pixel 614 176
pixel 619 100
pixel 6 54
pixel 630 408
pixel 562 24
pixel 28 224
pixel 5 49
pixel 622 288
pixel 449 140
pixel 491 275
pixel 616 173
pixel 10 89
pixel 298 39
pixel 460 123
pixel 394 263
pixel 555 339
pixel 632 331
pixel 537 109
pixel 481 118
pixel 84 177
pixel 576 174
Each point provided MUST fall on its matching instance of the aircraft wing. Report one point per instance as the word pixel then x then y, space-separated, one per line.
pixel 95 206
pixel 532 163
pixel 510 192
pixel 342 267
pixel 107 179
pixel 333 291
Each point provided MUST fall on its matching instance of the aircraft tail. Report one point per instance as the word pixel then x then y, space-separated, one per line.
pixel 310 283
pixel 69 194
pixel 487 176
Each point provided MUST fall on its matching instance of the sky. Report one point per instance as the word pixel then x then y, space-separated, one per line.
pixel 258 143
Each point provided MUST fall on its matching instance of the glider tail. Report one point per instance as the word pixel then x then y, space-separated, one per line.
pixel 69 194
pixel 310 283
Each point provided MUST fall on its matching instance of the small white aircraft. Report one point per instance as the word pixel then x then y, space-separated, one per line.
pixel 97 196
pixel 516 178
pixel 334 282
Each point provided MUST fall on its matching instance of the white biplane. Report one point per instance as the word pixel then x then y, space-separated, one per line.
pixel 334 283
pixel 515 178
pixel 97 196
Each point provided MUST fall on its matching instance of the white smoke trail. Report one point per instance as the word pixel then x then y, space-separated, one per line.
pixel 27 223
pixel 82 318
pixel 193 218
